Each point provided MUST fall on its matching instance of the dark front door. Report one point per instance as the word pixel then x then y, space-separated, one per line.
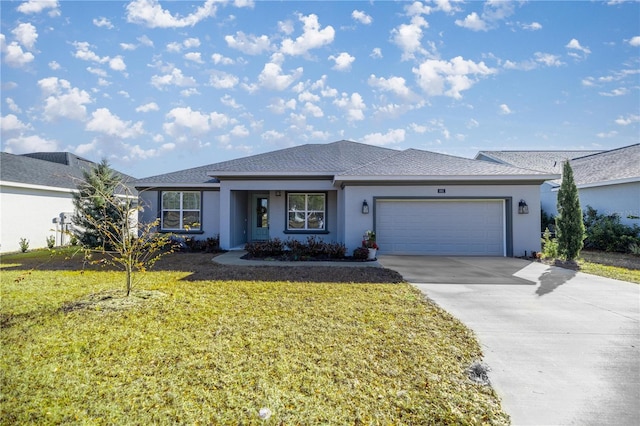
pixel 260 217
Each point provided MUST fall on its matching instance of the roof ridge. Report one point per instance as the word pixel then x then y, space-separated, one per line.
pixel 607 151
pixel 392 154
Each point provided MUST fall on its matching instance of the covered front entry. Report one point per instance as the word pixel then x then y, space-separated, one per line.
pixel 470 227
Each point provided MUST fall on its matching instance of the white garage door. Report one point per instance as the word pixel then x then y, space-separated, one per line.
pixel 441 227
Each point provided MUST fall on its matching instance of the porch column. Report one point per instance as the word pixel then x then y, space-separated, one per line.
pixel 225 218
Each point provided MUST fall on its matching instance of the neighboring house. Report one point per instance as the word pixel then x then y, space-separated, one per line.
pixel 35 189
pixel 608 181
pixel 417 202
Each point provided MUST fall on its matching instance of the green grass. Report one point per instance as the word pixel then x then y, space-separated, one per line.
pixel 217 352
pixel 615 272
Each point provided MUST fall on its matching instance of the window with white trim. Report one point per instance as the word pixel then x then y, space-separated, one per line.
pixel 306 211
pixel 180 211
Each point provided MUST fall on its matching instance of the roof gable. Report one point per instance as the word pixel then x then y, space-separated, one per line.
pixel 608 166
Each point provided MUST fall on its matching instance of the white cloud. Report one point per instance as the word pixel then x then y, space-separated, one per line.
pixel 472 124
pixel 361 17
pixel 635 41
pixel 504 110
pixel 151 14
pixel 548 59
pixel 54 65
pixel 272 77
pixel 37 6
pixel 26 144
pixel 342 62
pixel 189 92
pixel 128 46
pixel 174 47
pixel 392 137
pixel 272 136
pixel 576 50
pixel 145 41
pixel 629 119
pixel 353 105
pixel 12 105
pixel 117 64
pixel 223 80
pixel 285 27
pixel 26 34
pixel 103 121
pixel 102 22
pixel 249 44
pixel 449 78
pixel 279 105
pixel 97 71
pixel 175 78
pixel 311 38
pixel 219 59
pixel 621 91
pixel 194 57
pixel 376 53
pixel 417 128
pixel 534 26
pixel 84 52
pixel 184 118
pixel 473 22
pixel 396 85
pixel 313 110
pixel 14 56
pixel 607 135
pixel 229 101
pixel 191 42
pixel 151 106
pixel 239 131
pixel 408 37
pixel 10 123
pixel 62 100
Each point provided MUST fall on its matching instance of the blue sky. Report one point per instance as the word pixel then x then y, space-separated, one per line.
pixel 156 87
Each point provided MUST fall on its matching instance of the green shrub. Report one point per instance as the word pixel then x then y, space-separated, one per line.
pixel 547 221
pixel 51 241
pixel 361 253
pixel 605 232
pixel 274 247
pixel 24 245
pixel 549 245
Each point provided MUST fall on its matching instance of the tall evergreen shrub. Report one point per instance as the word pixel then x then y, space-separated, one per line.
pixel 569 224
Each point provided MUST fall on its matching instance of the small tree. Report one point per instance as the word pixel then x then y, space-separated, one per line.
pixel 95 205
pixel 569 223
pixel 132 247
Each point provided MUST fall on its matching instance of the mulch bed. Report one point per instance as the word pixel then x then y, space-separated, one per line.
pixel 201 268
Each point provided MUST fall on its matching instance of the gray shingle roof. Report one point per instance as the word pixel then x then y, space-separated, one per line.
pixel 546 161
pixel 414 162
pixel 60 170
pixel 344 160
pixel 317 159
pixel 617 164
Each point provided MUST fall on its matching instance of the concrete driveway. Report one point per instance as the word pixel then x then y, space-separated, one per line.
pixel 563 347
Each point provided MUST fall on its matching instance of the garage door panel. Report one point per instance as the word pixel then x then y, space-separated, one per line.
pixel 436 227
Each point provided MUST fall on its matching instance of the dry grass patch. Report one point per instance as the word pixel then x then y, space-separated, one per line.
pixel 218 352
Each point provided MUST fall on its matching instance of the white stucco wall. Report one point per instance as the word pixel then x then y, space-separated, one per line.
pixel 26 211
pixel 526 227
pixel 623 199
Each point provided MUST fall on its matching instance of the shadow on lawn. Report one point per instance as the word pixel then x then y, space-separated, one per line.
pixel 200 267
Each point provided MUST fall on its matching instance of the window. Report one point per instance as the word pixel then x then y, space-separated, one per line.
pixel 180 210
pixel 306 211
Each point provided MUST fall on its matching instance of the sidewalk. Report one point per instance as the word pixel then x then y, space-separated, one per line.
pixel 234 258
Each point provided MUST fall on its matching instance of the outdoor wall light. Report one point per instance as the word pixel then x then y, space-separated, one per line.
pixel 523 208
pixel 365 207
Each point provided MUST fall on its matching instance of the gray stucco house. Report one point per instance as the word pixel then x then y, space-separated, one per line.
pixel 417 202
pixel 608 181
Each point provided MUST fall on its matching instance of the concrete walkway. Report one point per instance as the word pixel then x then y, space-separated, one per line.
pixel 234 257
pixel 564 347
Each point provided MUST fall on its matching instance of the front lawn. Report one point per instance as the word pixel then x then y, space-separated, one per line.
pixel 217 352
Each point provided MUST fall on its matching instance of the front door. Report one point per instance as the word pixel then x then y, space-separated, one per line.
pixel 260 217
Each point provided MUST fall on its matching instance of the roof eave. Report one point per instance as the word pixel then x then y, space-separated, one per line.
pixel 452 178
pixel 152 185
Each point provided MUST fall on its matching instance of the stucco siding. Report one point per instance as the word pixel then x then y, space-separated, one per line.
pixel 28 213
pixel 622 199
